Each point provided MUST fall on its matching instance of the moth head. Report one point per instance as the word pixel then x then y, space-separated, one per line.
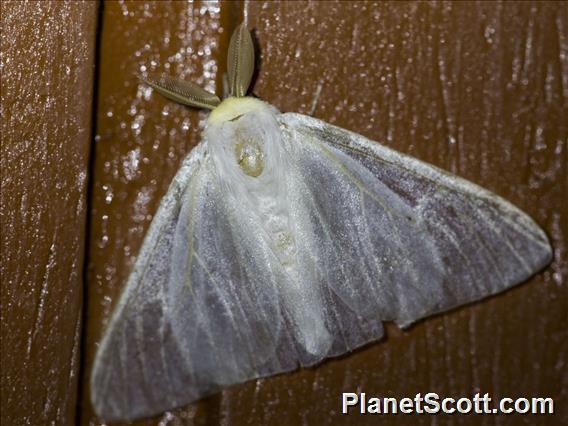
pixel 248 149
pixel 240 62
pixel 241 125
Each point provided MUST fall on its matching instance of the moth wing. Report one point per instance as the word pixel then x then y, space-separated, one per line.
pixel 401 239
pixel 195 315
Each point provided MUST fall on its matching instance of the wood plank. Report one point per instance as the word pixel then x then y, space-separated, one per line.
pixel 48 55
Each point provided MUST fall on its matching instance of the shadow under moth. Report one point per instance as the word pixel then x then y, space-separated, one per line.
pixel 284 240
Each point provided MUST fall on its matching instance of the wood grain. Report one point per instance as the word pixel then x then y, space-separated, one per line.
pixel 48 55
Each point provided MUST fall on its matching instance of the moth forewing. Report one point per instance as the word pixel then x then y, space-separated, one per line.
pixel 433 240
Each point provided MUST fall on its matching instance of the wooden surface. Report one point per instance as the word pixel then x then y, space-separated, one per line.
pixel 479 89
pixel 48 55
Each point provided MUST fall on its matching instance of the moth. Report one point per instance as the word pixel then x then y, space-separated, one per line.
pixel 284 240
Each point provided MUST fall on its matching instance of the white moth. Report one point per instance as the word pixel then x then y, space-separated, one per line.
pixel 284 240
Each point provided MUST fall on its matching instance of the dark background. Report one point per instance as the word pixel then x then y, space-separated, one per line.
pixel 479 89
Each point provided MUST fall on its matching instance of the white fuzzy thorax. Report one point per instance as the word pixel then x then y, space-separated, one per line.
pixel 238 121
pixel 262 204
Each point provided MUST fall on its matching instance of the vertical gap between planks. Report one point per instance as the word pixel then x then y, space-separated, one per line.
pixel 79 412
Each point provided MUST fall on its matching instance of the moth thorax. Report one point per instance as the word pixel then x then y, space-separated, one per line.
pixel 249 156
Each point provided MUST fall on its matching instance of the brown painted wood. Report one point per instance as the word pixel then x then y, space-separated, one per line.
pixel 48 54
pixel 479 89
